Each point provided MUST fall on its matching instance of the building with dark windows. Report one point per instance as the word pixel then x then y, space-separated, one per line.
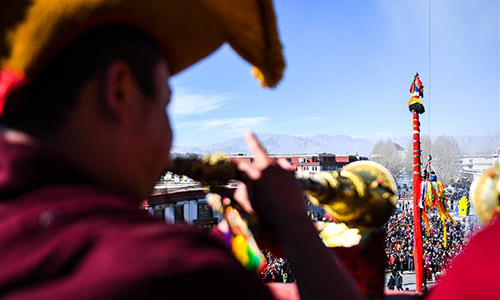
pixel 310 162
pixel 178 199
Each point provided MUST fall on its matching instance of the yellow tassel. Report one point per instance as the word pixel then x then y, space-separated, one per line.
pixel 260 76
pixel 426 221
pixel 239 248
pixel 444 230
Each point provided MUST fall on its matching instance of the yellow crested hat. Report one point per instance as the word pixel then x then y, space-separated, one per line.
pixel 31 30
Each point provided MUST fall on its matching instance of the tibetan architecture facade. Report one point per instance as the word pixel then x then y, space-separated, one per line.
pixel 309 162
pixel 178 199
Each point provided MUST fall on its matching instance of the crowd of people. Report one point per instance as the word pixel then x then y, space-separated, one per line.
pixel 456 190
pixel 395 281
pixel 399 243
pixel 463 183
pixel 399 247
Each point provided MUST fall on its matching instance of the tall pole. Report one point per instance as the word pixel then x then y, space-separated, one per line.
pixel 417 180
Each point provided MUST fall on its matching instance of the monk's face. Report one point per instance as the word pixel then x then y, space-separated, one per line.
pixel 154 134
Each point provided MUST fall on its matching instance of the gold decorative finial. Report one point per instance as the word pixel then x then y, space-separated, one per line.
pixel 485 195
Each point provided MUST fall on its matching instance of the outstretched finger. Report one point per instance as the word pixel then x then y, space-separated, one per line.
pixel 285 164
pixel 260 160
pixel 249 170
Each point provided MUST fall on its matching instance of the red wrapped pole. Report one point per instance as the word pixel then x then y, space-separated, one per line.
pixel 417 180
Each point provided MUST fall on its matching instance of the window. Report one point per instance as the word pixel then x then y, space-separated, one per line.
pixel 205 211
pixel 179 213
pixel 159 214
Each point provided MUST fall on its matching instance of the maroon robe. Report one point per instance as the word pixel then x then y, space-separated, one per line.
pixel 474 274
pixel 62 237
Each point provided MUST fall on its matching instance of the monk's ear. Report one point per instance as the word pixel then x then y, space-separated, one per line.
pixel 118 92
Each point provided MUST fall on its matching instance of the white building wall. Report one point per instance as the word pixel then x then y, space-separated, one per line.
pixel 193 211
pixel 187 212
pixel 169 214
pixel 475 165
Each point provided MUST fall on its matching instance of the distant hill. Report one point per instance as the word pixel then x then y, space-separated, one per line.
pixel 337 144
pixel 290 144
pixel 485 144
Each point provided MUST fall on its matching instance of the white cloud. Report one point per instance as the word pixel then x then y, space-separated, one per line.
pixel 231 125
pixel 186 103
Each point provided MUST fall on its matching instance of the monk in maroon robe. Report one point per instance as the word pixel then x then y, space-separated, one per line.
pixel 63 237
pixel 85 137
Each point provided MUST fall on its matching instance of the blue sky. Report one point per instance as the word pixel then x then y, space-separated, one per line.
pixel 349 67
